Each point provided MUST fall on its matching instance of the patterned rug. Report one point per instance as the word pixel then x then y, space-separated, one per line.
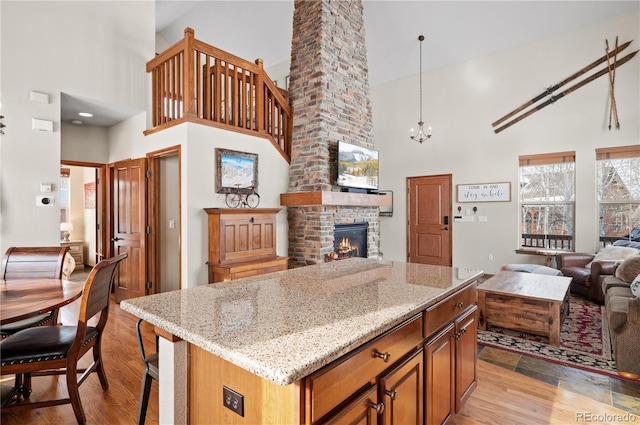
pixel 584 340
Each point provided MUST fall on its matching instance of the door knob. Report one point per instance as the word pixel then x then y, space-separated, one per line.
pixel 446 228
pixel 116 239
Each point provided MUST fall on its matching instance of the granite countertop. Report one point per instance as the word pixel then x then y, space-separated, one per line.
pixel 285 325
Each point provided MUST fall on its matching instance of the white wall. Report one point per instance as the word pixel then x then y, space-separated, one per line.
pixel 84 143
pixel 198 174
pixel 97 50
pixel 460 103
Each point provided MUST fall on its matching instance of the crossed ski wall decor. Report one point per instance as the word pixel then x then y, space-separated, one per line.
pixel 609 69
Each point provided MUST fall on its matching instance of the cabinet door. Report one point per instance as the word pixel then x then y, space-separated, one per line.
pixel 401 391
pixel 440 377
pixel 247 236
pixel 466 355
pixel 362 411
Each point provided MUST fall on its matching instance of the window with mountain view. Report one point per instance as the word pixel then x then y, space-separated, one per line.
pixel 618 193
pixel 547 201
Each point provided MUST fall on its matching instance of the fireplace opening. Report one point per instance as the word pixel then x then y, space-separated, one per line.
pixel 350 240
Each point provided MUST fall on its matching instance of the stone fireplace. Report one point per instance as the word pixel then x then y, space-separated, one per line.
pixel 329 91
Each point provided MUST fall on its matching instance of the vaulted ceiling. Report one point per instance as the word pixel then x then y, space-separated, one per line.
pixel 455 31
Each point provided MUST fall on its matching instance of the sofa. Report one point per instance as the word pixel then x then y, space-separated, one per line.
pixel 587 271
pixel 622 308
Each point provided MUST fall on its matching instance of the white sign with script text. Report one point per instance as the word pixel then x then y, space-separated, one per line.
pixel 484 192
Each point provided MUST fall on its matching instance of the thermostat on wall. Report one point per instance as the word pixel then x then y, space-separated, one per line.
pixel 44 201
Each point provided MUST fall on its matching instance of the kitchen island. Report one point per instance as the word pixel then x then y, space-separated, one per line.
pixel 309 344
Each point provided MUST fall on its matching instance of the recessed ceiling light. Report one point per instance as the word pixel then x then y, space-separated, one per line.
pixel 77 122
pixel 85 114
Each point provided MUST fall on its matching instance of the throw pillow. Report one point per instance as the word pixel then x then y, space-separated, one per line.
pixel 629 269
pixel 532 268
pixel 68 266
pixel 635 286
pixel 614 253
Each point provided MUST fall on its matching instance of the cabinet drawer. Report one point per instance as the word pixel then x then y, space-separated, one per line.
pixel 338 381
pixel 446 310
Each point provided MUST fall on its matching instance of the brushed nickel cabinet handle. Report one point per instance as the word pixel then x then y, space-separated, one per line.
pixel 384 356
pixel 379 408
pixel 459 304
pixel 391 393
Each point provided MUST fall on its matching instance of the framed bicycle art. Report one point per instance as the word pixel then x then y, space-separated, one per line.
pixel 236 172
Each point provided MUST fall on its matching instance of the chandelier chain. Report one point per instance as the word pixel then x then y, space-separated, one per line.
pixel 421 38
pixel 421 136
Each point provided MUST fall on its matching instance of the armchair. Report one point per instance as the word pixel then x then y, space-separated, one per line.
pixel 589 270
pixel 585 281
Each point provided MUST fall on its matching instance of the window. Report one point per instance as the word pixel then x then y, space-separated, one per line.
pixel 618 193
pixel 547 201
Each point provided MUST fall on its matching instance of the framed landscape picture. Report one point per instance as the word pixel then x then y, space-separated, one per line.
pixel 235 171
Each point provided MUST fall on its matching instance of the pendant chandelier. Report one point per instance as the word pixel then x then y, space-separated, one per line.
pixel 421 136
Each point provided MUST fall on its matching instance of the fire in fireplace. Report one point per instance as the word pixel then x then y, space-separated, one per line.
pixel 350 240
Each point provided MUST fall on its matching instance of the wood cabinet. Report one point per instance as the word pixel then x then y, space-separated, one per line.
pixel 403 376
pixel 466 327
pixel 76 249
pixel 361 411
pixel 242 242
pixel 402 392
pixel 332 386
pixel 450 356
pixel 439 381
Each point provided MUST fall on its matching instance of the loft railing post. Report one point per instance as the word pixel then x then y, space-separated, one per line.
pixel 260 108
pixel 188 83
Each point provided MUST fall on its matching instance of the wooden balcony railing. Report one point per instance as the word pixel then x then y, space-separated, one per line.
pixel 556 242
pixel 559 242
pixel 195 82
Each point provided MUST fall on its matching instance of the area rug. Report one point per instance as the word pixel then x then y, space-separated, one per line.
pixel 584 340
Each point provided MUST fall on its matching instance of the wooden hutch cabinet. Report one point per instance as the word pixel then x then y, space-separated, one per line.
pixel 242 242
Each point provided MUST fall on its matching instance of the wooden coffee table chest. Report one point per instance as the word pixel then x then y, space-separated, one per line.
pixel 526 302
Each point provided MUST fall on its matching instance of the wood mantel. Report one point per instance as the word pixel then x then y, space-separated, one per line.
pixel 330 198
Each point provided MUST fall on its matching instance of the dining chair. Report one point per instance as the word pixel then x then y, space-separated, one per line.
pixel 56 350
pixel 29 263
pixel 151 372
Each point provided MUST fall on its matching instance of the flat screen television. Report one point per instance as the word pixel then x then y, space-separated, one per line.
pixel 357 168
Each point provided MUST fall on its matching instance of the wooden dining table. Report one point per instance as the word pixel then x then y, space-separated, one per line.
pixel 24 298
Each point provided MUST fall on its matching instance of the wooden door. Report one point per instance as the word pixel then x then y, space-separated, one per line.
pixel 429 220
pixel 129 212
pixel 466 356
pixel 401 392
pixel 440 377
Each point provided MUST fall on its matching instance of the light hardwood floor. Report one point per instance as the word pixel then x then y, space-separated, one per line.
pixel 502 396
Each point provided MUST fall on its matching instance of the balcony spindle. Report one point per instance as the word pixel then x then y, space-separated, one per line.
pixel 192 81
pixel 260 97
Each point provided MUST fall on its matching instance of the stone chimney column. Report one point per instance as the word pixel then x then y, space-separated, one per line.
pixel 329 91
pixel 329 88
